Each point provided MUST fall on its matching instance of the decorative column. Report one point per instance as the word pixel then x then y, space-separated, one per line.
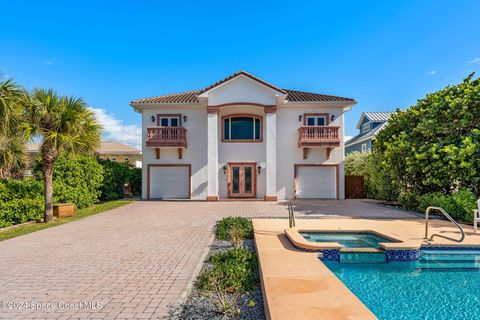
pixel 271 153
pixel 212 151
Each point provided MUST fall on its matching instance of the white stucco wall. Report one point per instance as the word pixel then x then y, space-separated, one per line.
pixel 195 154
pixel 288 153
pixel 241 89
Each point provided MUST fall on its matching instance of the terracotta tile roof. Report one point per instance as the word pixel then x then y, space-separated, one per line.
pixel 291 95
pixel 181 97
pixel 300 96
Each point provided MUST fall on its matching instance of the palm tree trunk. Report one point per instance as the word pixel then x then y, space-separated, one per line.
pixel 48 181
pixel 49 156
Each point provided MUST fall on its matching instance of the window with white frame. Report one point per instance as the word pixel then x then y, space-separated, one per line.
pixel 366 127
pixel 168 121
pixel 242 128
pixel 316 120
pixel 364 147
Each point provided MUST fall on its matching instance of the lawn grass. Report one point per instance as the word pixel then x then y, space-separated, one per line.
pixel 80 214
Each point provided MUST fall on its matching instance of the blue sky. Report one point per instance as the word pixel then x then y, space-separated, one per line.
pixel 385 54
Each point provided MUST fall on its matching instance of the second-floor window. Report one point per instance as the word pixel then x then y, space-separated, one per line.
pixel 242 128
pixel 314 120
pixel 168 120
pixel 365 127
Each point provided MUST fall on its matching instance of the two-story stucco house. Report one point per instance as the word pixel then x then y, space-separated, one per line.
pixel 243 137
pixel 369 125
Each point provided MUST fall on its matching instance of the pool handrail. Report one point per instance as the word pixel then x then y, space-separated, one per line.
pixel 291 216
pixel 448 217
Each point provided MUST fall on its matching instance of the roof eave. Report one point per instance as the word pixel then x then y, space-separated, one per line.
pixel 140 105
pixel 335 103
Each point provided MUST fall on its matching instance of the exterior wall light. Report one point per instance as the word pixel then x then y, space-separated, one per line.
pixel 153 118
pixel 224 169
pixel 300 118
pixel 184 118
pixel 332 118
pixel 259 169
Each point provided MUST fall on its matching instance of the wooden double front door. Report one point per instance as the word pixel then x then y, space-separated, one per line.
pixel 242 180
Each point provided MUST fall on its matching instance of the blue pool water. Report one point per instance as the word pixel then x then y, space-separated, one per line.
pixel 346 240
pixel 441 285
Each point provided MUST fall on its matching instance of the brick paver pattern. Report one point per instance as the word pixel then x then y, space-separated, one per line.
pixel 133 262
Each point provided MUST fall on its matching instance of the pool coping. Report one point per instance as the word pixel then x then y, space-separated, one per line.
pixel 299 241
pixel 296 285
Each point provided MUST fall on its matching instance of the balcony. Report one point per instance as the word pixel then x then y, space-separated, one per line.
pixel 321 136
pixel 158 137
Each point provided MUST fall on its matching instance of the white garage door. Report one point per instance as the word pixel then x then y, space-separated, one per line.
pixel 316 182
pixel 169 183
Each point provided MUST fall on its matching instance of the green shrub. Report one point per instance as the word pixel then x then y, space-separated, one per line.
pixel 459 205
pixel 20 201
pixel 356 164
pixel 409 200
pixel 115 176
pixel 135 181
pixel 234 270
pixel 76 180
pixel 17 211
pixel 27 188
pixel 226 224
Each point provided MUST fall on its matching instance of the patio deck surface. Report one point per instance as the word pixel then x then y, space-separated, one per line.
pixel 297 285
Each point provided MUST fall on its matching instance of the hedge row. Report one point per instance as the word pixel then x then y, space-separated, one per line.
pixel 82 181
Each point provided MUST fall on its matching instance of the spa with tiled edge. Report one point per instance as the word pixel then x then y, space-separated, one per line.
pixel 298 285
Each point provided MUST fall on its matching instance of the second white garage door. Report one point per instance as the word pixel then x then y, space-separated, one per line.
pixel 169 182
pixel 316 182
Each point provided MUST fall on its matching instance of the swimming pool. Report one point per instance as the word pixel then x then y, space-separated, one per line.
pixel 443 284
pixel 347 239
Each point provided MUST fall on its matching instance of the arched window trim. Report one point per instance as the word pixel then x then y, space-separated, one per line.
pixel 260 118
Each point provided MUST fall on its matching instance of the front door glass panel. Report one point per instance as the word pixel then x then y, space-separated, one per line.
pixel 236 179
pixel 248 179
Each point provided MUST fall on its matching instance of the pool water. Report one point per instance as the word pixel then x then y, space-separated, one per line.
pixel 441 285
pixel 346 240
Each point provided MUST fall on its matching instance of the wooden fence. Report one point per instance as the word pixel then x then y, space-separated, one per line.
pixel 354 187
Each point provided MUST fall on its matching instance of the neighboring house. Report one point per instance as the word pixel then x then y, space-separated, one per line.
pixel 369 125
pixel 242 137
pixel 120 152
pixel 110 150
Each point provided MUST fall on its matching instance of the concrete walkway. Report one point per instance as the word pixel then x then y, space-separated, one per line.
pixel 130 262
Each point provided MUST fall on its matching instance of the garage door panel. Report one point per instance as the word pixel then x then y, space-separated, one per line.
pixel 316 182
pixel 170 182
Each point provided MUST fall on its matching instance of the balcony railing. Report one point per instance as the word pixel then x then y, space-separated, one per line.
pixel 166 137
pixel 320 136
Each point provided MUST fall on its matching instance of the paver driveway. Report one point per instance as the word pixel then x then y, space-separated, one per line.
pixel 134 261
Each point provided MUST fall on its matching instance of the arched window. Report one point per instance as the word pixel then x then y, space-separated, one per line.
pixel 246 128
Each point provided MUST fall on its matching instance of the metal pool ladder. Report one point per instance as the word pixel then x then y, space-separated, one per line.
pixel 291 216
pixel 448 217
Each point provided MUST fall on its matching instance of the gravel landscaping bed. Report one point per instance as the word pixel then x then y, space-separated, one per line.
pixel 199 306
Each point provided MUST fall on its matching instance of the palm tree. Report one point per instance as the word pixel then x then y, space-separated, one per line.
pixel 13 99
pixel 65 124
pixel 13 159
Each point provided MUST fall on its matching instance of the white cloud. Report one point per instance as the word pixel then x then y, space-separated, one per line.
pixel 115 130
pixel 475 61
pixel 47 62
pixel 346 138
pixel 432 72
